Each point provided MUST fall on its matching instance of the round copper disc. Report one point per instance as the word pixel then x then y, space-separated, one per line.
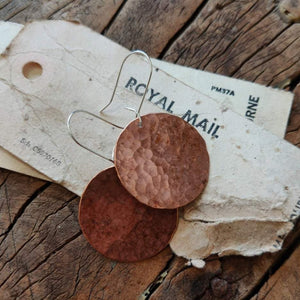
pixel 119 226
pixel 164 163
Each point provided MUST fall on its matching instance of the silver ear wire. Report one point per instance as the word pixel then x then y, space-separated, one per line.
pixel 137 115
pixel 137 112
pixel 77 142
pixel 136 52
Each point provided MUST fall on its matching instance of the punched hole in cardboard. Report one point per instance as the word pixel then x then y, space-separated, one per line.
pixel 32 70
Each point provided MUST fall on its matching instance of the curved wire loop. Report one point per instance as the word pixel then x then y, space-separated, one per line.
pixel 74 138
pixel 137 112
pixel 137 115
pixel 136 52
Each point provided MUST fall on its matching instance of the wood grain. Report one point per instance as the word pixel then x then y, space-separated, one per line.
pixel 14 197
pixel 149 25
pixel 293 130
pixel 43 254
pixel 95 14
pixel 245 39
pixel 92 13
pixel 219 279
pixel 284 284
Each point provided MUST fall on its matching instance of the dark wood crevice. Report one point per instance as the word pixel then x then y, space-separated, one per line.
pixel 106 28
pixel 60 8
pixel 281 258
pixel 182 29
pixel 158 280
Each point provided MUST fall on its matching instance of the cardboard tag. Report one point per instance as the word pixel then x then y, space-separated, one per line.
pixel 265 106
pixel 254 175
pixel 10 162
pixel 238 96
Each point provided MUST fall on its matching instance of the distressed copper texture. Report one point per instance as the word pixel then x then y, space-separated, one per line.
pixel 164 163
pixel 119 226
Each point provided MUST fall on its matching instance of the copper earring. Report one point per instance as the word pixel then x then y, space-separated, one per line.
pixel 114 222
pixel 160 159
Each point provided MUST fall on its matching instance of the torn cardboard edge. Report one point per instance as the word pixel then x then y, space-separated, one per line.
pixel 8 31
pixel 253 176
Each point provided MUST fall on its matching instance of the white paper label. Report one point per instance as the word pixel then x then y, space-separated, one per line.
pixel 238 96
pixel 265 106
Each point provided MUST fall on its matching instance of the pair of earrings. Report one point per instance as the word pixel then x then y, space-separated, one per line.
pixel 129 212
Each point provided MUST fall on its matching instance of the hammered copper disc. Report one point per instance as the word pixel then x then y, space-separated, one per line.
pixel 164 163
pixel 119 226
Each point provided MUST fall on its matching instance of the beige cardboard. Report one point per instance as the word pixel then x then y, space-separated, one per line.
pixel 254 175
pixel 271 111
pixel 237 96
pixel 10 162
pixel 8 31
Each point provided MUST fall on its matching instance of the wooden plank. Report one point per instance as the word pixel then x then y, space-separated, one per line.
pixel 284 284
pixel 23 11
pixel 278 61
pixel 15 193
pixel 95 14
pixel 243 39
pixel 42 251
pixel 149 25
pixel 45 255
pixel 232 277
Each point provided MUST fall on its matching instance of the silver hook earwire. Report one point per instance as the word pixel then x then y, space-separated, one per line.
pixel 138 52
pixel 77 142
pixel 137 115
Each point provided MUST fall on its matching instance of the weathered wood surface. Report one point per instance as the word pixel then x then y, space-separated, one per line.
pixel 43 254
pixel 95 14
pixel 284 284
